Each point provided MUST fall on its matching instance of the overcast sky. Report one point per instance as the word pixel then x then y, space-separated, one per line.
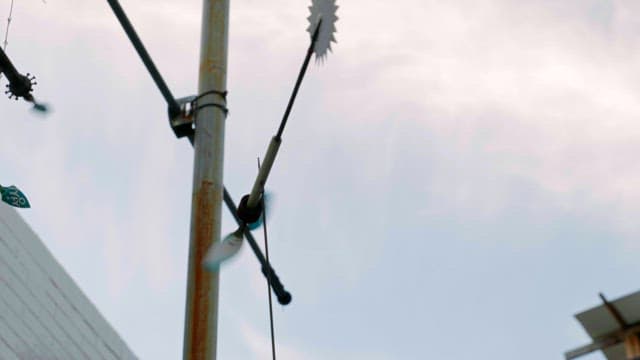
pixel 457 180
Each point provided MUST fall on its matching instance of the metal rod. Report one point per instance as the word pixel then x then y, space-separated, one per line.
pixel 284 297
pixel 303 71
pixel 597 344
pixel 274 145
pixel 174 107
pixel 7 68
pixel 263 172
pixel 614 312
pixel 19 85
pixel 201 319
pixel 266 252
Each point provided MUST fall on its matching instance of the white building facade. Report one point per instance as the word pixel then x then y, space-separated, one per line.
pixel 43 314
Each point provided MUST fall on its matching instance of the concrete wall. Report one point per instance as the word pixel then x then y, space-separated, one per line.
pixel 43 313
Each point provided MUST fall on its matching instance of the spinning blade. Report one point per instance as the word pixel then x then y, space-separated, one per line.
pixel 40 107
pixel 223 250
pixel 325 10
pixel 231 243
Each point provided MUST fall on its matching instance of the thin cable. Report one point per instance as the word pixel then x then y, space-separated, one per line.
pixel 266 252
pixel 6 31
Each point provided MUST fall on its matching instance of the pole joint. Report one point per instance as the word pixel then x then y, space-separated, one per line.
pixel 222 106
pixel 182 119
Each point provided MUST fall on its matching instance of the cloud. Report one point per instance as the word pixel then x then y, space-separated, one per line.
pixel 501 91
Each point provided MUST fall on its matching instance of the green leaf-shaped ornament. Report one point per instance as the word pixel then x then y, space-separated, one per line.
pixel 14 197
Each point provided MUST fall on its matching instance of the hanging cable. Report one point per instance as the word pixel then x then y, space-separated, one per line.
pixel 6 31
pixel 266 252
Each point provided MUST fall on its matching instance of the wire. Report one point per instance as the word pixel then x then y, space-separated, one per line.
pixel 6 31
pixel 266 252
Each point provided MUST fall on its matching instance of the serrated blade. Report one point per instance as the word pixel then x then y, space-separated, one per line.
pixel 325 9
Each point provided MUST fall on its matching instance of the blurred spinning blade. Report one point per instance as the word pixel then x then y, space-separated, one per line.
pixel 223 250
pixel 325 10
pixel 232 243
pixel 39 107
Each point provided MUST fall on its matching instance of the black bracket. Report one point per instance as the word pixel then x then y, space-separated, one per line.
pixel 182 123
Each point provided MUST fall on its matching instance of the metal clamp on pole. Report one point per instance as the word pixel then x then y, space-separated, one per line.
pixel 223 94
pixel 182 123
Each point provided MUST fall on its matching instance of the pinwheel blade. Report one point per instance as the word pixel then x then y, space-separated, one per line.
pixel 325 10
pixel 14 197
pixel 40 107
pixel 223 250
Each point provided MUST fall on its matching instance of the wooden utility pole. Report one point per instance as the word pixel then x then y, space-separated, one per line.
pixel 201 318
pixel 614 332
pixel 632 346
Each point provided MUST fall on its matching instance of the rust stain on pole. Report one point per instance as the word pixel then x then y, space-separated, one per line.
pixel 203 224
pixel 632 346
